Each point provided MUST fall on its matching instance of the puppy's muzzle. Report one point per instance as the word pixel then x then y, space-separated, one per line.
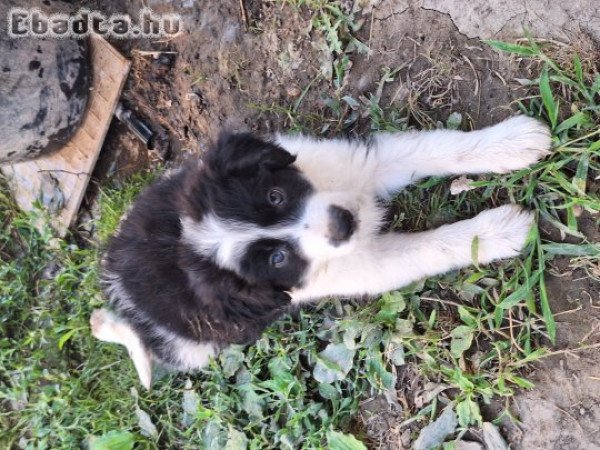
pixel 341 225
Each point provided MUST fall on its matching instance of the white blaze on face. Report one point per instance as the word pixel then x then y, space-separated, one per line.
pixel 220 239
pixel 225 241
pixel 314 228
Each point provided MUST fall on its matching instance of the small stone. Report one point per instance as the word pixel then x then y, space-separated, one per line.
pixel 437 431
pixel 461 184
pixel 492 438
pixel 293 91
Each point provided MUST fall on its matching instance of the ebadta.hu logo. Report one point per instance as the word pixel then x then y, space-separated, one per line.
pixel 34 23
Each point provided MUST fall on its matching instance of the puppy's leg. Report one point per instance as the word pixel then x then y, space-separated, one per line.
pixel 394 260
pixel 403 158
pixel 107 327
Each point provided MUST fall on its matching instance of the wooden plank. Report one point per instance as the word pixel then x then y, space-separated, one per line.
pixel 71 167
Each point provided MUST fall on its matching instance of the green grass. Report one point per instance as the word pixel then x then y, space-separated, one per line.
pixel 473 331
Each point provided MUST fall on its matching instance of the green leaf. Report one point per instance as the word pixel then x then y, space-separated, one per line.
pixel 391 304
pixel 351 102
pixel 333 363
pixel 404 328
pixel 462 338
pixel 145 423
pixel 517 49
pixel 371 335
pixel 252 403
pixel 468 413
pixel 466 316
pixel 560 249
pixel 521 293
pixel 578 119
pixel 595 88
pixel 113 440
pixel 533 356
pixel 397 352
pixel 377 373
pixel 236 440
pixel 548 98
pixel 341 441
pixel 65 337
pixel 189 404
pixel 521 382
pixel 547 312
pixel 580 179
pixel 328 391
pixel 351 329
pixel 454 121
pixel 231 359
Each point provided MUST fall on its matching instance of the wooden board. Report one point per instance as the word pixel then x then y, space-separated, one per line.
pixel 70 168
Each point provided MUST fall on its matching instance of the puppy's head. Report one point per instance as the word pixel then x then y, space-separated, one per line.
pixel 254 212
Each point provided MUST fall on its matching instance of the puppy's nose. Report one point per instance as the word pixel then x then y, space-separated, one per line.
pixel 341 224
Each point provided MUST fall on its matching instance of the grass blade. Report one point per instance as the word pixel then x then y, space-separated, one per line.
pixel 548 99
pixel 521 293
pixel 580 178
pixel 579 119
pixel 560 249
pixel 546 311
pixel 522 50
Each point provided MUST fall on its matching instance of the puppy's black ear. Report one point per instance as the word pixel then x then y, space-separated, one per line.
pixel 243 153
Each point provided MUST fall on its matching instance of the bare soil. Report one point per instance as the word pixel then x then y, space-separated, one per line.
pixel 224 71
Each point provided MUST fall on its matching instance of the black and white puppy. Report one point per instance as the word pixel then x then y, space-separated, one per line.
pixel 213 253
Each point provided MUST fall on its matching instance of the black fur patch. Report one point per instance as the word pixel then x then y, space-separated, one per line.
pixel 237 178
pixel 256 264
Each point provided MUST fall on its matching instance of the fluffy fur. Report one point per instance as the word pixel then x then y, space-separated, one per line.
pixel 213 253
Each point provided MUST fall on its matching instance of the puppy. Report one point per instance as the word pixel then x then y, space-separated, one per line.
pixel 213 253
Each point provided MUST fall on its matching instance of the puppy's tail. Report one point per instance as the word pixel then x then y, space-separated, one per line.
pixel 107 327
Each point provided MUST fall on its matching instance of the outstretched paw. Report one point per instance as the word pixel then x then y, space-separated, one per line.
pixel 517 143
pixel 503 232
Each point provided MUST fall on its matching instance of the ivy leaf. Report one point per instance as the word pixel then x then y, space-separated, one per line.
pixel 146 425
pixel 462 338
pixel 341 441
pixel 231 360
pixel 252 403
pixel 113 440
pixel 328 391
pixel 468 413
pixel 189 404
pixel 391 304
pixel 236 440
pixel 333 363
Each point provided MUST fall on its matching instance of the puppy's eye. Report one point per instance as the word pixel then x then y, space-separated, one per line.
pixel 276 197
pixel 278 258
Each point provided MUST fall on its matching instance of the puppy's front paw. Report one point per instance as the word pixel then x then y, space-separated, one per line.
pixel 502 232
pixel 517 143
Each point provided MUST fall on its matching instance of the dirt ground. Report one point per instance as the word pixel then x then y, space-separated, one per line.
pixel 563 410
pixel 217 74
